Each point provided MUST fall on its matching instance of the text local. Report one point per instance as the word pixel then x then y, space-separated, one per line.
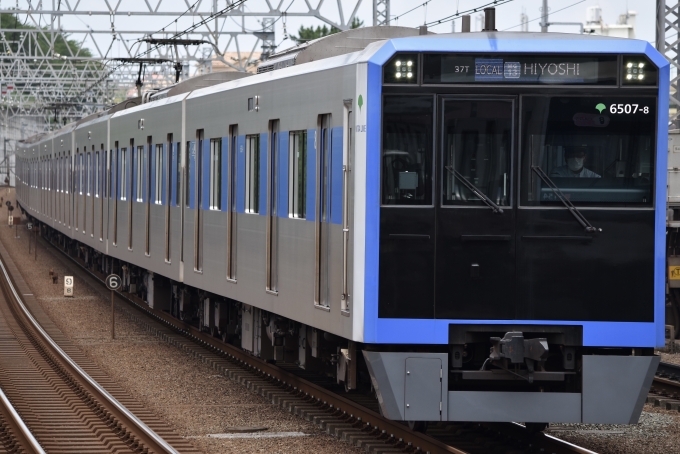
pixel 533 69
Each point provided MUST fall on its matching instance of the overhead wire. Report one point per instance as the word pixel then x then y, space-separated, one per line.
pixel 396 18
pixel 193 27
pixel 471 10
pixel 544 15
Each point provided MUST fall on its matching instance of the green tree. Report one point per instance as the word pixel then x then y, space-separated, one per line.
pixel 309 33
pixel 40 44
pixel 62 45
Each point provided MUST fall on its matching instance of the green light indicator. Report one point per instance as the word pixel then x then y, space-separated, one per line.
pixel 600 107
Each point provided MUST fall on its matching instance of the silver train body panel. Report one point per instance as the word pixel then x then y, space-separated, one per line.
pixel 315 89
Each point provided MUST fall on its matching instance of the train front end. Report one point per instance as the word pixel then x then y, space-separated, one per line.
pixel 514 237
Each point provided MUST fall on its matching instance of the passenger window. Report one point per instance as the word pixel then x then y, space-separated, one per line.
pixel 69 176
pixel 187 185
pixel 407 150
pixel 124 175
pixel 81 172
pixel 297 190
pixel 158 177
pixel 139 173
pixel 178 171
pixel 477 150
pixel 102 171
pixel 96 174
pixel 598 151
pixel 253 174
pixel 215 174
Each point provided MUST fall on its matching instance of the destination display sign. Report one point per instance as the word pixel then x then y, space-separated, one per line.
pixel 519 69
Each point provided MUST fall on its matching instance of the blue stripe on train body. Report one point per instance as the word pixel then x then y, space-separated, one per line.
pixel 192 175
pixel 311 175
pixel 282 189
pixel 336 175
pixel 131 174
pixel 119 173
pixel 151 185
pixel 240 175
pixel 263 175
pixel 164 177
pixel 205 175
pixel 224 160
pixel 173 174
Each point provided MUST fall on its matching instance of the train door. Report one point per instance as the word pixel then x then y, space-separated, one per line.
pixel 78 192
pixel 272 203
pixel 87 192
pixel 94 169
pixel 69 188
pixel 407 215
pixel 137 161
pixel 231 204
pixel 198 170
pixel 102 190
pixel 323 146
pixel 53 187
pixel 148 173
pixel 475 260
pixel 167 194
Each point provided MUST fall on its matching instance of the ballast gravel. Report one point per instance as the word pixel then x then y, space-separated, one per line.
pixel 658 432
pixel 182 390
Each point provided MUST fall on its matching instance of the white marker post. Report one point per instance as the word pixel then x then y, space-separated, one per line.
pixel 113 282
pixel 68 286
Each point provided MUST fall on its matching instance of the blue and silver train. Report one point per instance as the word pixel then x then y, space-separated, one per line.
pixel 471 226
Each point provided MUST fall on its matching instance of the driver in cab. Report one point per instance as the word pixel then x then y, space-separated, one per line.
pixel 575 167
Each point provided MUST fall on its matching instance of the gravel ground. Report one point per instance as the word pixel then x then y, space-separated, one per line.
pixel 657 432
pixel 185 392
pixel 673 358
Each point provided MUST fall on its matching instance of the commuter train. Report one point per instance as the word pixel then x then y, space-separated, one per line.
pixel 471 225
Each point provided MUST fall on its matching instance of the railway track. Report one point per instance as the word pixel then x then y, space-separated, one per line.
pixel 15 437
pixel 665 391
pixel 66 403
pixel 351 418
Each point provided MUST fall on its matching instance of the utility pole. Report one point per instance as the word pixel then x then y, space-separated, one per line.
pixel 381 12
pixel 544 17
pixel 666 43
pixel 5 160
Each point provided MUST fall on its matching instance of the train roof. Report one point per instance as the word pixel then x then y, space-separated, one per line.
pixel 333 45
pixel 372 45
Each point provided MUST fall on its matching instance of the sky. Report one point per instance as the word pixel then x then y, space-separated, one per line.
pixel 507 15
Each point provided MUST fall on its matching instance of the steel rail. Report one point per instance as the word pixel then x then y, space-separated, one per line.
pixel 568 447
pixel 665 383
pixel 19 428
pixel 145 434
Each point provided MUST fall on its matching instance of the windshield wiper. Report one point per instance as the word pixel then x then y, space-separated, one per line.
pixel 475 190
pixel 560 195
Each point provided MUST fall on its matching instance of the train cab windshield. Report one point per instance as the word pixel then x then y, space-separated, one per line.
pixel 597 151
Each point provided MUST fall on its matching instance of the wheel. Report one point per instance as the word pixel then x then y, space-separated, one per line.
pixel 417 426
